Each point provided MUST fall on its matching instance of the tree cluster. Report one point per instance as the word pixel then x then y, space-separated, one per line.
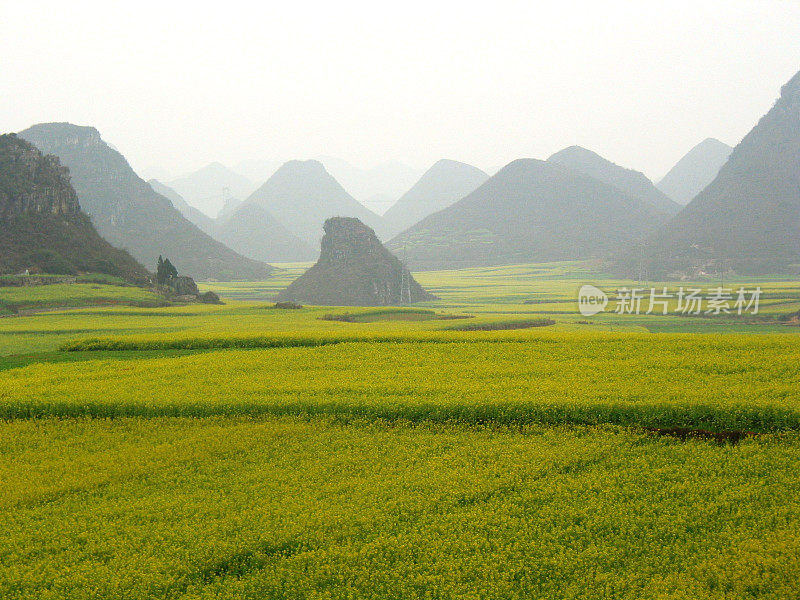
pixel 165 271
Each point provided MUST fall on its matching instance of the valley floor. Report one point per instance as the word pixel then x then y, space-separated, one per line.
pixel 243 451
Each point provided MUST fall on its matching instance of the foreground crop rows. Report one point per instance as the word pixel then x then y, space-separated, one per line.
pixel 749 383
pixel 282 508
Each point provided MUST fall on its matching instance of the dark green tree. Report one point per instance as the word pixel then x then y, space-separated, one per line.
pixel 165 271
pixel 172 272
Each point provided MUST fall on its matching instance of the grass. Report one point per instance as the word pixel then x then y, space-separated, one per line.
pixel 15 299
pixel 384 314
pixel 16 361
pixel 500 325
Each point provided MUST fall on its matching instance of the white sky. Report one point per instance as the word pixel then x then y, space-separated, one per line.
pixel 638 82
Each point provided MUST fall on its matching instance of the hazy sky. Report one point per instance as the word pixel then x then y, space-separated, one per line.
pixel 639 82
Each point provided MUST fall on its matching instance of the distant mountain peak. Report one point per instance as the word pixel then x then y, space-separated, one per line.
pixel 213 167
pixel 577 150
pixel 748 218
pixel 387 179
pixel 310 166
pixel 446 182
pixel 301 195
pixel 208 188
pixel 631 182
pixel 695 170
pixel 253 231
pixel 529 211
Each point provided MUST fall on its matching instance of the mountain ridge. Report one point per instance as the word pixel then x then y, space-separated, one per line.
pixel 530 211
pixel 748 218
pixel 129 213
pixel 301 195
pixel 42 226
pixel 446 182
pixel 695 170
pixel 208 188
pixel 631 182
pixel 254 232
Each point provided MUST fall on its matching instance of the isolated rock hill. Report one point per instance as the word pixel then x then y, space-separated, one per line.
pixel 748 218
pixel 633 183
pixel 42 227
pixel 692 173
pixel 302 194
pixel 444 183
pixel 530 211
pixel 129 214
pixel 354 269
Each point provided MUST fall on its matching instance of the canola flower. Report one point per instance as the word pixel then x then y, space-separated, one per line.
pixel 288 508
pixel 241 451
pixel 749 383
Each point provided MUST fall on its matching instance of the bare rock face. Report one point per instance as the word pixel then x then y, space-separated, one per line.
pixel 184 285
pixel 32 183
pixel 354 269
pixel 42 226
pixel 129 213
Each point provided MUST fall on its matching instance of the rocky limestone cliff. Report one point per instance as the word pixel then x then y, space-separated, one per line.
pixel 42 226
pixel 354 269
pixel 129 213
pixel 31 183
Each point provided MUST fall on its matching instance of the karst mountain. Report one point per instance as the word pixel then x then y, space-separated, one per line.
pixel 42 227
pixel 692 173
pixel 444 183
pixel 301 195
pixel 748 218
pixel 354 269
pixel 632 183
pixel 530 211
pixel 130 214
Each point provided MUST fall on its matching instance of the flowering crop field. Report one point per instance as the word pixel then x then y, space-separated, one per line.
pixel 283 508
pixel 244 451
pixel 709 382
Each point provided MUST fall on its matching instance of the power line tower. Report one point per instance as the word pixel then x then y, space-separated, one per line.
pixel 405 281
pixel 643 274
